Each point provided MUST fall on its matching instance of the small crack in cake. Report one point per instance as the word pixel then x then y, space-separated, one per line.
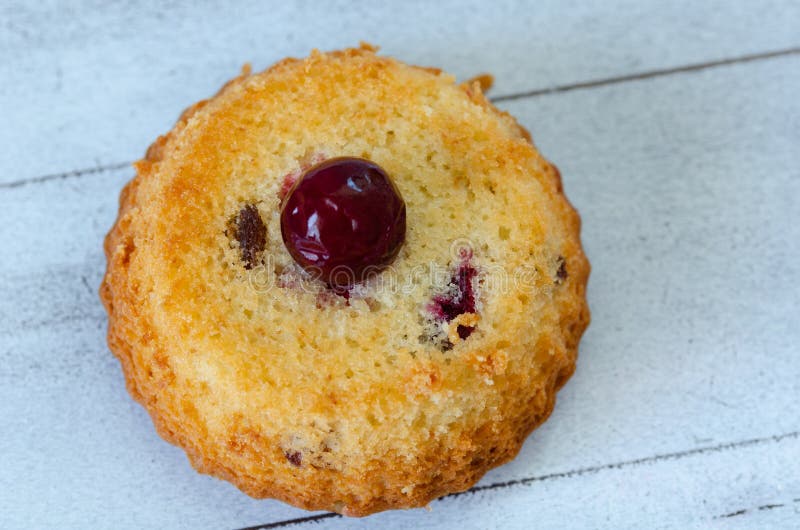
pixel 433 358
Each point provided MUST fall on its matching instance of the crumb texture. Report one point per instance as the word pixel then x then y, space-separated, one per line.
pixel 420 380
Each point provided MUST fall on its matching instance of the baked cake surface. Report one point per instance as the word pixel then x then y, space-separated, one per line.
pixel 411 385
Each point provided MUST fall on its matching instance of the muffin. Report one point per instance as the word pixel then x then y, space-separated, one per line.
pixel 374 360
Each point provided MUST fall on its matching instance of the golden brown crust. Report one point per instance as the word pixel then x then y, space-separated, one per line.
pixel 344 435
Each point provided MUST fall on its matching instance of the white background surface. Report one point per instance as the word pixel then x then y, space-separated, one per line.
pixel 678 141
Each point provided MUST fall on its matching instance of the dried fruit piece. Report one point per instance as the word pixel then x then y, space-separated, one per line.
pixel 251 235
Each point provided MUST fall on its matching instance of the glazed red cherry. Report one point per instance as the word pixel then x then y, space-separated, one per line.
pixel 343 220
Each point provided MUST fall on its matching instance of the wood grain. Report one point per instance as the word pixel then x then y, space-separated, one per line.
pixel 90 84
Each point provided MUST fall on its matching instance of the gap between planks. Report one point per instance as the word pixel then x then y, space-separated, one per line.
pixel 762 508
pixel 649 74
pixel 730 446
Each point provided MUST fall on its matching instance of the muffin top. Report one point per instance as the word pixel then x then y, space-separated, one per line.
pixel 405 385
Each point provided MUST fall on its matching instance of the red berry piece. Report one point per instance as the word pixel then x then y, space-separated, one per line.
pixel 343 220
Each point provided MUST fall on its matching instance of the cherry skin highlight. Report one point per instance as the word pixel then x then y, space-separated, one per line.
pixel 343 220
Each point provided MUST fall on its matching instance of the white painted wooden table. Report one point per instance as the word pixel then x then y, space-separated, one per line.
pixel 677 128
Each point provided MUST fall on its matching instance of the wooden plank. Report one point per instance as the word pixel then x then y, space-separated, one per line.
pixel 91 84
pixel 687 185
pixel 668 491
